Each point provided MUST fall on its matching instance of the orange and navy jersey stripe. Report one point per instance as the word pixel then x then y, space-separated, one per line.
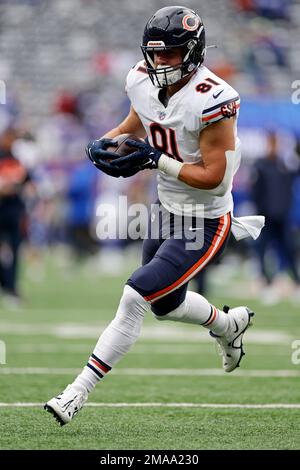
pixel 142 69
pixel 218 240
pixel 221 110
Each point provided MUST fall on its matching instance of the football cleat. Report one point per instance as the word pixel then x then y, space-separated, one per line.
pixel 231 343
pixel 66 405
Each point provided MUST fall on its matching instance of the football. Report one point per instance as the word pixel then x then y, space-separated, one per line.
pixel 122 149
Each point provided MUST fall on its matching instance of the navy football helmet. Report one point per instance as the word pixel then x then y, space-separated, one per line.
pixel 169 27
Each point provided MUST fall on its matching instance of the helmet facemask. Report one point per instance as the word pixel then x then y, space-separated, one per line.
pixel 163 76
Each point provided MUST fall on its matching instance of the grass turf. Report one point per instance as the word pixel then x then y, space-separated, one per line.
pixel 77 296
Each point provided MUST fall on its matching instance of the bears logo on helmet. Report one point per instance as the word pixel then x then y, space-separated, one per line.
pixel 173 27
pixel 190 25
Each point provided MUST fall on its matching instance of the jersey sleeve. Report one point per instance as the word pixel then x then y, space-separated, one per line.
pixel 221 104
pixel 134 76
pixel 128 83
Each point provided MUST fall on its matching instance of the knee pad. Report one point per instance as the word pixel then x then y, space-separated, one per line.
pixel 132 303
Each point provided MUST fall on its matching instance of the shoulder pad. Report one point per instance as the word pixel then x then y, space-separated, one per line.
pixel 136 74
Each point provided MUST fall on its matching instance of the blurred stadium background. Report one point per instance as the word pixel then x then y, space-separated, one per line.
pixel 64 63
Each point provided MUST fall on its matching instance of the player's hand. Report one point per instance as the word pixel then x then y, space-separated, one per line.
pixel 145 156
pixel 97 153
pixel 96 150
pixel 100 157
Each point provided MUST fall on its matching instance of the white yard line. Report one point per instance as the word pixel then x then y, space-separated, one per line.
pixel 151 372
pixel 168 405
pixel 139 349
pixel 163 332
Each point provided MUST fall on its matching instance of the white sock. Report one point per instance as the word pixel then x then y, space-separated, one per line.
pixel 197 310
pixel 115 340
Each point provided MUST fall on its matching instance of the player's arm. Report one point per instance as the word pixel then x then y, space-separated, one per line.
pixel 213 173
pixel 215 140
pixel 131 125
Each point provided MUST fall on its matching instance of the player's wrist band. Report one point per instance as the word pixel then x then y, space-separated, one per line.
pixel 169 165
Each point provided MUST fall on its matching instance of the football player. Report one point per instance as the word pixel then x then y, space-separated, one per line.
pixel 189 116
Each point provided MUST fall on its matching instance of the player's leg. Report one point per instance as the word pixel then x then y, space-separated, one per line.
pixel 147 285
pixel 227 326
pixel 174 303
pixel 122 332
pixel 163 281
pixel 112 345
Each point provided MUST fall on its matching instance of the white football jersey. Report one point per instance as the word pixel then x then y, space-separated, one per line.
pixel 175 130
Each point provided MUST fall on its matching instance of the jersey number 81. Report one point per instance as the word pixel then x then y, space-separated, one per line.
pixel 167 138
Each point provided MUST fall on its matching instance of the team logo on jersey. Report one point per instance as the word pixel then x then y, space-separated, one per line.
pixel 161 115
pixel 229 110
pixel 190 22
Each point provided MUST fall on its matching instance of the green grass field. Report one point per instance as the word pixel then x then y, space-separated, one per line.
pixel 169 392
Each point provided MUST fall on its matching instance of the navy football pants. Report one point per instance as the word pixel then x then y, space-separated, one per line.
pixel 168 266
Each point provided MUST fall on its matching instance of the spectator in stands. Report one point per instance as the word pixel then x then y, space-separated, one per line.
pixel 63 136
pixel 272 10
